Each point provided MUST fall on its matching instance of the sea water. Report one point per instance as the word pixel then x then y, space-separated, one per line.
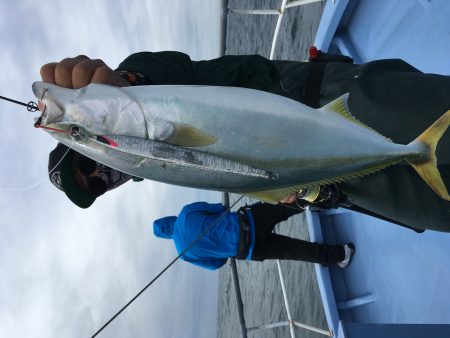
pixel 260 285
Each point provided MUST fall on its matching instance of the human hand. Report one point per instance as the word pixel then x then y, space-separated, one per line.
pixel 289 199
pixel 79 71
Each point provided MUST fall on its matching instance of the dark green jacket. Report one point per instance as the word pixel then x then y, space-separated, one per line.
pixel 390 96
pixel 251 71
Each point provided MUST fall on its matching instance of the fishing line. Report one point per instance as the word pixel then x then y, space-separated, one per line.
pixel 40 181
pixel 24 188
pixel 32 107
pixel 290 206
pixel 166 268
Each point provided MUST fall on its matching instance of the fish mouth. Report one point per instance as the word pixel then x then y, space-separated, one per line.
pixel 73 131
pixel 79 134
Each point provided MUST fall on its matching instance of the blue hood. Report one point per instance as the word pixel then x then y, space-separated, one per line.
pixel 163 227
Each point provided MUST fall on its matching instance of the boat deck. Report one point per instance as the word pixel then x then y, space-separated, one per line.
pixel 417 31
pixel 397 276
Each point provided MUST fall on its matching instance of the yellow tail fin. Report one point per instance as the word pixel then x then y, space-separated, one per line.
pixel 428 170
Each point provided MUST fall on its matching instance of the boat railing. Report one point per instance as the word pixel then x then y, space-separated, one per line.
pixel 240 305
pixel 280 12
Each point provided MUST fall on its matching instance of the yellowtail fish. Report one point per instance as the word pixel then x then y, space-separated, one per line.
pixel 228 139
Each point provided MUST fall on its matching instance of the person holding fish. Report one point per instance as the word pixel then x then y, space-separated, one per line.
pixel 390 96
pixel 82 179
pixel 216 235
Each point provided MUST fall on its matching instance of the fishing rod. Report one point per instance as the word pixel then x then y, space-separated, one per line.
pixel 166 268
pixel 31 105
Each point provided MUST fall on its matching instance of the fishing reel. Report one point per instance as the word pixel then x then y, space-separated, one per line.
pixel 319 197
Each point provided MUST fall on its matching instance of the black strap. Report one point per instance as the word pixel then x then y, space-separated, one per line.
pixel 314 83
pixel 370 213
pixel 244 238
pixel 315 76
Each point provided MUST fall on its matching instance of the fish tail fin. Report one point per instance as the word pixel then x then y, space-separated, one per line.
pixel 428 170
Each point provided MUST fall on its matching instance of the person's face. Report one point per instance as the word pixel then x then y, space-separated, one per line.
pixel 87 175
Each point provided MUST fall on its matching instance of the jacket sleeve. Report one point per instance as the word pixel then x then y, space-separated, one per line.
pixel 209 263
pixel 161 67
pixel 250 71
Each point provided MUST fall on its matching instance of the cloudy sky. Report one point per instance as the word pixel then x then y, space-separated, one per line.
pixel 65 271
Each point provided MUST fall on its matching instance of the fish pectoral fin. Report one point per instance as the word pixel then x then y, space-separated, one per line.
pixel 340 106
pixel 188 136
pixel 429 170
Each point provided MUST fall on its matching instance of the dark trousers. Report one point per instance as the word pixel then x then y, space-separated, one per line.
pixel 272 246
pixel 399 102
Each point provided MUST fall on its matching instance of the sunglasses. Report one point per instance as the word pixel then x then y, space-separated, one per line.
pixel 96 184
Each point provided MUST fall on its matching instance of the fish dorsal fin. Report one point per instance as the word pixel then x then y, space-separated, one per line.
pixel 340 106
pixel 188 136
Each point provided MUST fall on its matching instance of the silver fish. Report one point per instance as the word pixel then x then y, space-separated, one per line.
pixel 228 139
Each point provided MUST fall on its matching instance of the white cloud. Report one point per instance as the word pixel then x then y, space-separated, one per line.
pixel 64 270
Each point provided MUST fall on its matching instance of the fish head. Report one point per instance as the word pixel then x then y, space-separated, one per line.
pixel 96 109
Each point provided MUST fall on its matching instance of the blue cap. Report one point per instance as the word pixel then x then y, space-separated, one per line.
pixel 163 227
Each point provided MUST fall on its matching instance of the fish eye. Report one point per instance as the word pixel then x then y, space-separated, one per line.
pixel 77 133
